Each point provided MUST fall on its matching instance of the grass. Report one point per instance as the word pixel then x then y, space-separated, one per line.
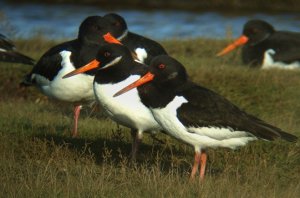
pixel 39 159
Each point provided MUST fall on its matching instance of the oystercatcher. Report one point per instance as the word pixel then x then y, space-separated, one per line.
pixel 116 68
pixel 196 115
pixel 264 46
pixel 8 52
pixel 63 58
pixel 145 48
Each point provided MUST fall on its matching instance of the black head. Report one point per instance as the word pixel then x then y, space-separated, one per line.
pixel 167 70
pixel 165 74
pixel 117 25
pixel 257 31
pixel 254 32
pixel 92 29
pixel 111 55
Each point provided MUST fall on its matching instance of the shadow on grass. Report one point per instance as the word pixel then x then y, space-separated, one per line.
pixel 164 154
pixel 96 147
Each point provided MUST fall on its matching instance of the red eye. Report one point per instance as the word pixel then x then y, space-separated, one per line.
pixel 106 54
pixel 161 66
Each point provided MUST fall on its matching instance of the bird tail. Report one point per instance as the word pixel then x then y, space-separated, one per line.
pixel 288 137
pixel 17 57
pixel 269 132
pixel 27 81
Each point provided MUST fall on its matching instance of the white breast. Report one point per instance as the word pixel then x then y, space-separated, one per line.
pixel 269 63
pixel 199 137
pixel 126 109
pixel 73 89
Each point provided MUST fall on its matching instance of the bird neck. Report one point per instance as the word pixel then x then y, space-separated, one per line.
pixel 154 96
pixel 118 72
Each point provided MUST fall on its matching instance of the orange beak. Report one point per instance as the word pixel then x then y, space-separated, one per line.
pixel 91 65
pixel 110 39
pixel 238 42
pixel 146 78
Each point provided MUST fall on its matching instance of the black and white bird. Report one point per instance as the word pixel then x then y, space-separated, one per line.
pixel 145 48
pixel 116 68
pixel 265 47
pixel 196 115
pixel 61 59
pixel 8 52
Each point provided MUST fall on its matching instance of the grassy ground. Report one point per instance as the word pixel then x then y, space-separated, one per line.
pixel 39 159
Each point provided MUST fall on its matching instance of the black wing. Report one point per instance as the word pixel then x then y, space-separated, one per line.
pixel 15 57
pixel 8 53
pixel 286 45
pixel 153 48
pixel 50 63
pixel 207 108
pixel 5 43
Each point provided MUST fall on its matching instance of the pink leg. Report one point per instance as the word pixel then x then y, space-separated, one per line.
pixel 76 115
pixel 137 139
pixel 196 165
pixel 203 159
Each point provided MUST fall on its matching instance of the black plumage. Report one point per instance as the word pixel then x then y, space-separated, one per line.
pixel 204 108
pixel 259 37
pixel 8 52
pixel 197 115
pixel 132 40
pixel 83 49
pixel 262 36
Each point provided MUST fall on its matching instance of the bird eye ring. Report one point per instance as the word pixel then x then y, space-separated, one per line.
pixel 161 66
pixel 106 54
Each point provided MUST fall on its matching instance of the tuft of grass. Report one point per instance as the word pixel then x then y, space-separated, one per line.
pixel 38 158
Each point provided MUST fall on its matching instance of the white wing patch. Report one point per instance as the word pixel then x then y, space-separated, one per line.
pixel 227 137
pixel 269 63
pixel 141 54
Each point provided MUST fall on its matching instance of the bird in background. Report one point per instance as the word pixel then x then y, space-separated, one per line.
pixel 265 47
pixel 8 52
pixel 117 68
pixel 194 114
pixel 145 48
pixel 63 58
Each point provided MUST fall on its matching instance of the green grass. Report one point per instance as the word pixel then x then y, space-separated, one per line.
pixel 39 159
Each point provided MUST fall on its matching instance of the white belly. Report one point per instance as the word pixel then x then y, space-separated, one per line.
pixel 199 137
pixel 126 109
pixel 269 63
pixel 74 89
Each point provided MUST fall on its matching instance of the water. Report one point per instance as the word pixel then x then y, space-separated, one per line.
pixel 62 21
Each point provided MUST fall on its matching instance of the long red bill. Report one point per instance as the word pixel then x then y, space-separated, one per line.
pixel 91 65
pixel 240 41
pixel 146 78
pixel 111 39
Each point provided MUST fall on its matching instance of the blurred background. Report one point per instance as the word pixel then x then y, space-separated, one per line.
pixel 168 19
